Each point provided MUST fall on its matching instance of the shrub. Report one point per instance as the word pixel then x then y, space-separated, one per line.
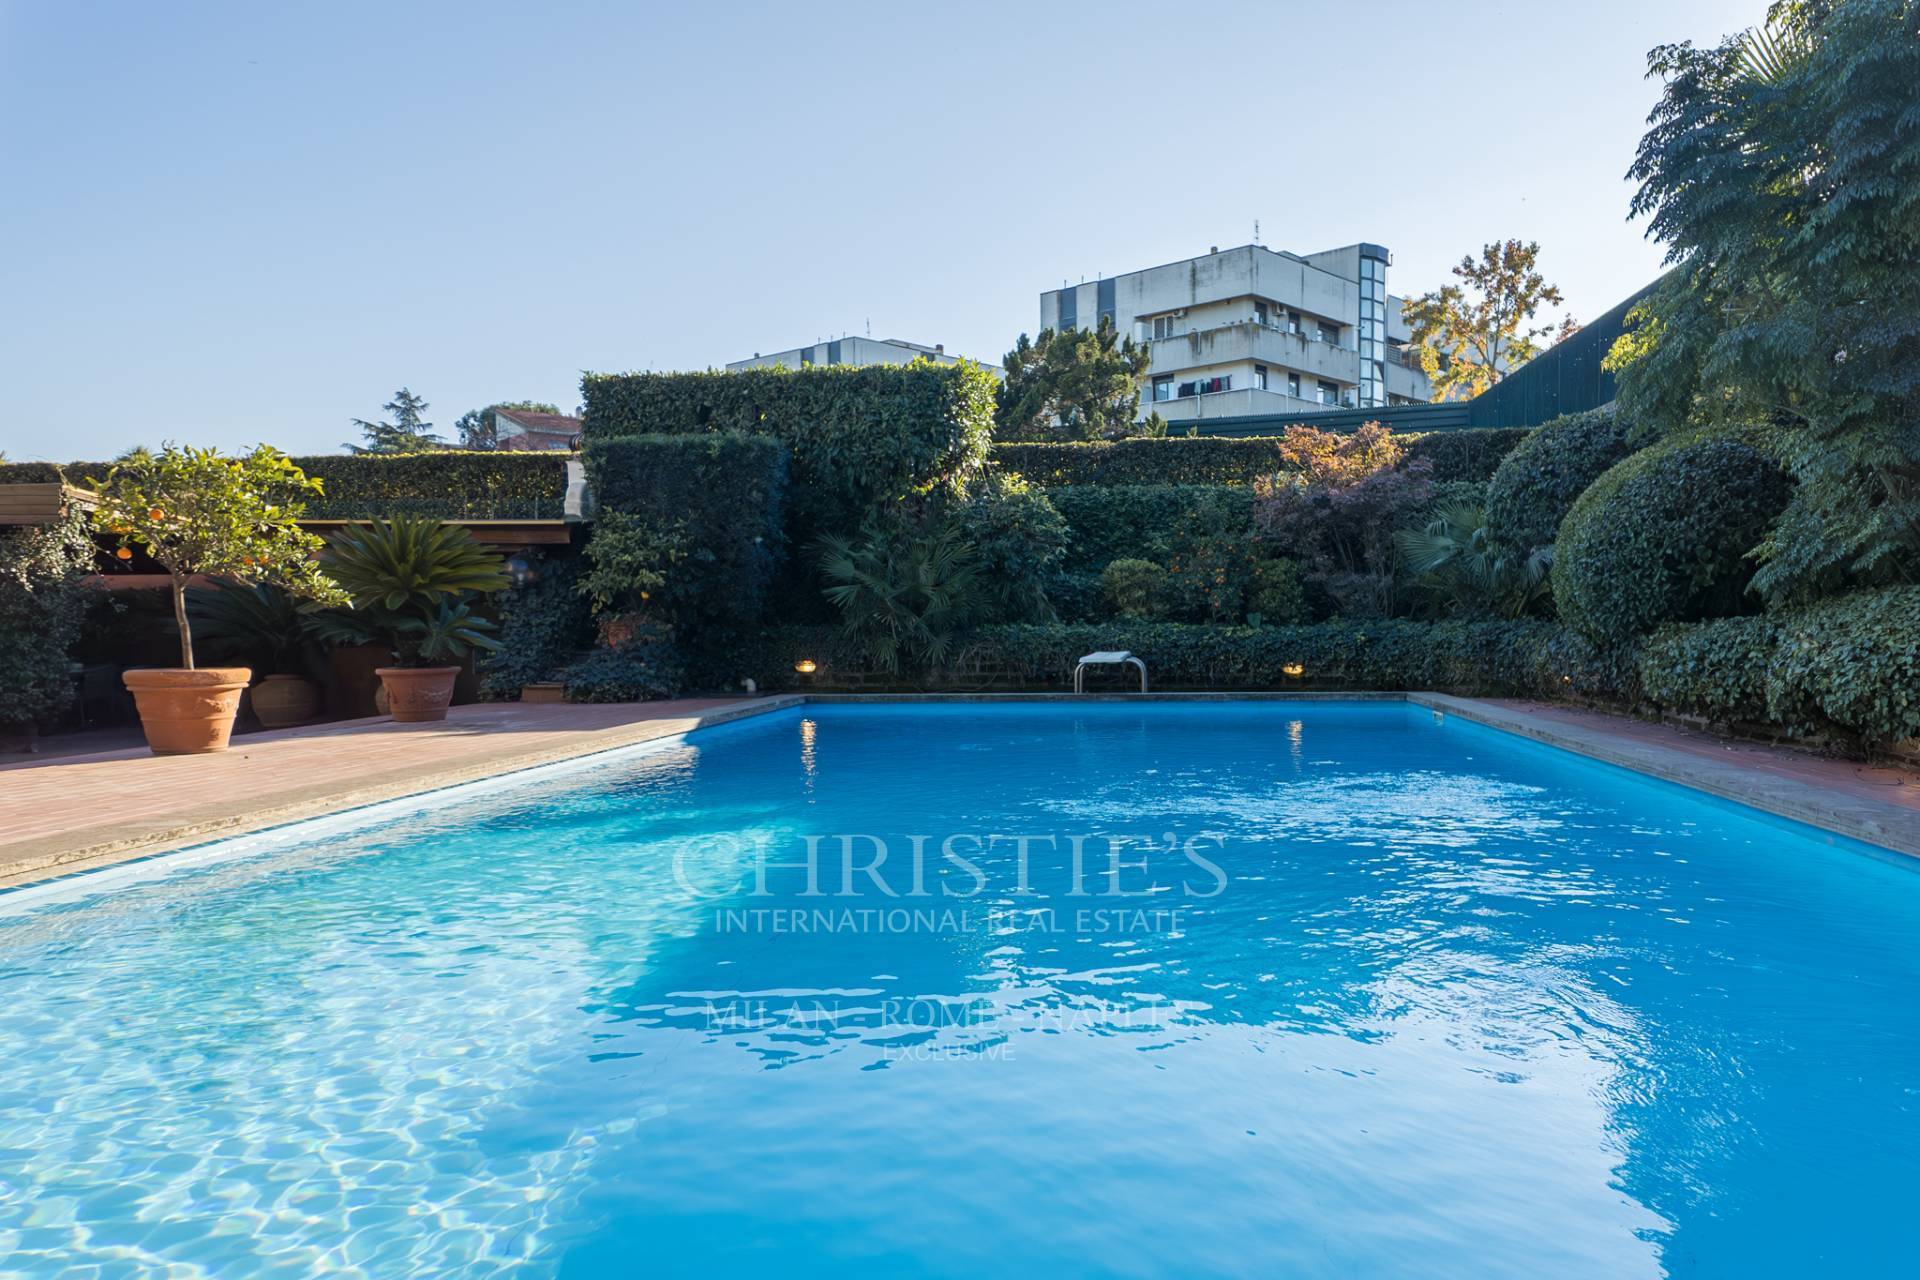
pixel 1135 588
pixel 41 607
pixel 1019 541
pixel 543 623
pixel 1470 455
pixel 413 580
pixel 1136 522
pixel 1335 512
pixel 1208 571
pixel 1713 669
pixel 859 437
pixel 1852 665
pixel 1538 481
pixel 902 592
pixel 1078 595
pixel 1457 568
pixel 721 496
pixel 1664 537
pixel 646 666
pixel 1177 460
pixel 1276 595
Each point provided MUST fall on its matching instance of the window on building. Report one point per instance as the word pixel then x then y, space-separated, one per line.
pixel 1260 316
pixel 1293 385
pixel 1163 326
pixel 1324 331
pixel 1293 322
pixel 1260 376
pixel 1329 393
pixel 1163 388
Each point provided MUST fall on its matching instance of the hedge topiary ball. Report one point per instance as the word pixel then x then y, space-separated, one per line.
pixel 1664 536
pixel 1537 483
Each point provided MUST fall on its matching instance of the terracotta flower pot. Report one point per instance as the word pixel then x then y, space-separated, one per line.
pixel 187 712
pixel 281 701
pixel 418 694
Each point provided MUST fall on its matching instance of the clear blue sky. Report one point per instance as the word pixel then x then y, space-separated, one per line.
pixel 229 223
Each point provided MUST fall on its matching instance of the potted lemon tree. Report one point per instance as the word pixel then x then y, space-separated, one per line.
pixel 413 581
pixel 199 513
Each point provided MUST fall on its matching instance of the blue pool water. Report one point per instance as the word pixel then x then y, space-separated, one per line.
pixel 1398 997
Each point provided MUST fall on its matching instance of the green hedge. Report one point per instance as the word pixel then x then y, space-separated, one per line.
pixel 1664 537
pixel 1470 455
pixel 543 625
pixel 724 494
pixel 461 484
pixel 1174 460
pixel 1713 669
pixel 453 484
pixel 1538 481
pixel 1848 667
pixel 1852 665
pixel 1119 522
pixel 859 437
pixel 1521 659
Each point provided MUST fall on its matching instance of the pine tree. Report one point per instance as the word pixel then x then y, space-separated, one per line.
pixel 1076 384
pixel 409 432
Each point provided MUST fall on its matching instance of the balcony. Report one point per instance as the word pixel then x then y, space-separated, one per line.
pixel 1239 403
pixel 1261 344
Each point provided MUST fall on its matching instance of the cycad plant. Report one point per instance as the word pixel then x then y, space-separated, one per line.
pixel 412 579
pixel 902 592
pixel 1462 571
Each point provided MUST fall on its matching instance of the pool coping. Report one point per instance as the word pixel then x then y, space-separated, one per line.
pixel 1875 822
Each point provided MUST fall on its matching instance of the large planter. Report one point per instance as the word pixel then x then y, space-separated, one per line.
pixel 282 701
pixel 187 712
pixel 418 694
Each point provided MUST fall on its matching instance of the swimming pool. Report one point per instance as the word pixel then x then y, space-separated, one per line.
pixel 1358 990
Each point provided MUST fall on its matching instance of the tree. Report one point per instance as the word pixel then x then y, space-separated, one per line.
pixel 1470 335
pixel 478 430
pixel 195 511
pixel 1074 384
pixel 409 432
pixel 1782 170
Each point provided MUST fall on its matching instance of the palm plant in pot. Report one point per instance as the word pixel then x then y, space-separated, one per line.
pixel 196 513
pixel 277 633
pixel 413 581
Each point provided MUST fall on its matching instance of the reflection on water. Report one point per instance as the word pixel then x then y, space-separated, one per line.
pixel 1446 1006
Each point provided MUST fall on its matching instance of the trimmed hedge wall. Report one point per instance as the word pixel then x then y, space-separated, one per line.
pixel 859 437
pixel 725 495
pixel 1538 481
pixel 452 484
pixel 1527 659
pixel 1174 460
pixel 1470 454
pixel 465 484
pixel 1118 522
pixel 1664 537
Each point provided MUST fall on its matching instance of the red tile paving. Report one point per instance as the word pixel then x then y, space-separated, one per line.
pixel 63 813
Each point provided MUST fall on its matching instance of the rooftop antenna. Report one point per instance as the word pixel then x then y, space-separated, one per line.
pixel 869 326
pixel 1256 231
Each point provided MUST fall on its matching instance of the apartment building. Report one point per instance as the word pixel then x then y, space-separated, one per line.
pixel 856 351
pixel 1255 331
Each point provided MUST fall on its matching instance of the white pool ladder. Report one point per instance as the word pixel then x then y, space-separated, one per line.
pixel 1107 658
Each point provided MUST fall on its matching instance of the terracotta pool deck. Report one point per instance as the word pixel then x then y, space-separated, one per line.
pixel 72 813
